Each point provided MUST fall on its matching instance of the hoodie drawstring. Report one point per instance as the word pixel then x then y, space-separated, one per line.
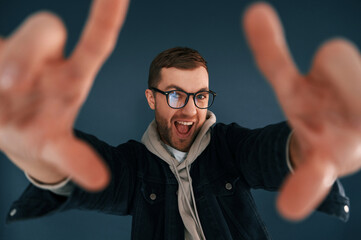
pixel 194 202
pixel 194 212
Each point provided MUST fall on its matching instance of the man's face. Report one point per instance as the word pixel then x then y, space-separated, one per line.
pixel 179 127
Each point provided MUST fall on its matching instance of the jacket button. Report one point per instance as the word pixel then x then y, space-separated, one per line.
pixel 13 212
pixel 228 186
pixel 153 196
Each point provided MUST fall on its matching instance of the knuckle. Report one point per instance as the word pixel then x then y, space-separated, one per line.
pixel 70 99
pixel 16 76
pixel 69 94
pixel 73 74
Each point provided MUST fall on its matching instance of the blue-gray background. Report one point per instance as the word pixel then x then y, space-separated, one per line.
pixel 116 109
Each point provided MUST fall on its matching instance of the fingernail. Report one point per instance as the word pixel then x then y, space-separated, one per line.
pixel 8 76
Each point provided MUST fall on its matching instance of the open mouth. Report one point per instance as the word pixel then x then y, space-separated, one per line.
pixel 183 127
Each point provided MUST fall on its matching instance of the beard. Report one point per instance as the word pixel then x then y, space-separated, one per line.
pixel 165 132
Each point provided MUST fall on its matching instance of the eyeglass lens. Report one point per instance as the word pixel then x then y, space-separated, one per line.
pixel 177 99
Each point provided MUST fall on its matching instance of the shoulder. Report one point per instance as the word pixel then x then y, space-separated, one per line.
pixel 227 130
pixel 234 128
pixel 234 133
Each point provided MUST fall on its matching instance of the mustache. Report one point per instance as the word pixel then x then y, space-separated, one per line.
pixel 185 117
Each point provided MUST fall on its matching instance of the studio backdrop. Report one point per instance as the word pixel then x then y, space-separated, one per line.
pixel 116 109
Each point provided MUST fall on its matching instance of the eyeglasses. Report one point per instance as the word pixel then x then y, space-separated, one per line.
pixel 178 98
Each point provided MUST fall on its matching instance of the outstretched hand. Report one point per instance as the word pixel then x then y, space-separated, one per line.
pixel 41 93
pixel 323 108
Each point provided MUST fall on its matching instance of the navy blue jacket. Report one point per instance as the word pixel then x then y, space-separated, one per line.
pixel 143 186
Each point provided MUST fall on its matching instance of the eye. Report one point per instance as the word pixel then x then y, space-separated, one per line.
pixel 175 94
pixel 202 96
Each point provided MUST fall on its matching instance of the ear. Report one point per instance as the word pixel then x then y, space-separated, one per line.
pixel 150 98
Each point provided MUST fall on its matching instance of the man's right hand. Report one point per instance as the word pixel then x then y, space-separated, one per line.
pixel 41 93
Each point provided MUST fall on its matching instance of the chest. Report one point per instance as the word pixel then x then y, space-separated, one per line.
pixel 225 206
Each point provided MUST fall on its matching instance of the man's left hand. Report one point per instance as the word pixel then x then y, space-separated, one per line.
pixel 323 108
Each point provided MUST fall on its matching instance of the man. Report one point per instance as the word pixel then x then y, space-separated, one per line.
pixel 48 154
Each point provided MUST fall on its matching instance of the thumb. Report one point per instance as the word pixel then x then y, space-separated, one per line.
pixel 304 190
pixel 79 161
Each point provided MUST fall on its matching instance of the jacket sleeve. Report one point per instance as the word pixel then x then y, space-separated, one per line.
pixel 260 156
pixel 116 198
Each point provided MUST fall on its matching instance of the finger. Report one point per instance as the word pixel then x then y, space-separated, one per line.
pixel 98 39
pixel 79 161
pixel 266 39
pixel 305 189
pixel 338 63
pixel 41 38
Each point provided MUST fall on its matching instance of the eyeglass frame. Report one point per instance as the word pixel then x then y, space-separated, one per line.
pixel 166 93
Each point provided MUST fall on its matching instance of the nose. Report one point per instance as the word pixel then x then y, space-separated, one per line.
pixel 190 108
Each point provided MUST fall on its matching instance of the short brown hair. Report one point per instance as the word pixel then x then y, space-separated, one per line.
pixel 178 57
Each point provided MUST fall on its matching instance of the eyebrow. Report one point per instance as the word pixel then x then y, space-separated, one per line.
pixel 173 86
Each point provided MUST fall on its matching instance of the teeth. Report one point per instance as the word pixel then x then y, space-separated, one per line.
pixel 185 123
